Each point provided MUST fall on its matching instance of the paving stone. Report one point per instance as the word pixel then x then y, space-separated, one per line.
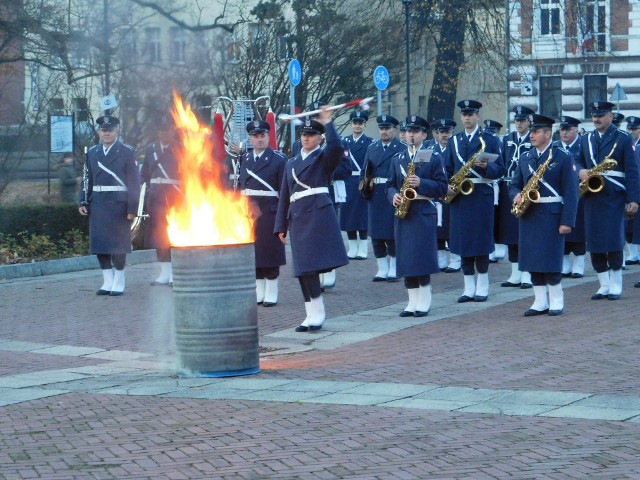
pixel 595 413
pixel 394 389
pixel 462 394
pixel 506 409
pixel 350 399
pixel 541 398
pixel 69 350
pixel 38 378
pixel 426 404
pixel 610 401
pixel 9 396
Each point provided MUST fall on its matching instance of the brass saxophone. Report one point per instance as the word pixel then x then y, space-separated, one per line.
pixel 530 193
pixel 406 191
pixel 595 181
pixel 459 182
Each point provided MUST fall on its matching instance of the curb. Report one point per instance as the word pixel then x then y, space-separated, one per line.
pixel 64 265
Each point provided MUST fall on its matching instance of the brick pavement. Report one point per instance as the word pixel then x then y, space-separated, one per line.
pixel 87 433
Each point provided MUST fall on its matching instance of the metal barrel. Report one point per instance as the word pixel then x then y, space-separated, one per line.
pixel 216 318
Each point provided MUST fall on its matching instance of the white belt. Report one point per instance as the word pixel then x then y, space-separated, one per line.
pixel 104 188
pixel 259 193
pixel 613 173
pixel 379 180
pixel 165 181
pixel 480 180
pixel 548 200
pixel 306 193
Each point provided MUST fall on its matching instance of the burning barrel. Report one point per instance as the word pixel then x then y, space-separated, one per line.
pixel 216 318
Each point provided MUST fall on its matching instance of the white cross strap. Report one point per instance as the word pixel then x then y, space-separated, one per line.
pixel 308 192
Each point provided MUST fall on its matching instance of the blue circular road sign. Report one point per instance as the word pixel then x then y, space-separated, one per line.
pixel 295 72
pixel 381 77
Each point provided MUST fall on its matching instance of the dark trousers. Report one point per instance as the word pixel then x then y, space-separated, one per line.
pixel 415 282
pixel 108 261
pixel 310 285
pixel 545 278
pixel 481 264
pixel 606 261
pixel 382 248
pixel 164 254
pixel 270 273
pixel 352 234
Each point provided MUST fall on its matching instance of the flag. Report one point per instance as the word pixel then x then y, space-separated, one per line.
pixel 588 43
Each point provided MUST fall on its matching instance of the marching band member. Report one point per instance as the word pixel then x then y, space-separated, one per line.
pixel 353 212
pixel 305 211
pixel 633 224
pixel 549 218
pixel 376 167
pixel 573 242
pixel 110 194
pixel 515 144
pixel 442 132
pixel 472 216
pixel 261 173
pixel 415 234
pixel 605 210
pixel 160 173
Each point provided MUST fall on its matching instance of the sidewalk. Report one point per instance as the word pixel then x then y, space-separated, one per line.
pixel 88 390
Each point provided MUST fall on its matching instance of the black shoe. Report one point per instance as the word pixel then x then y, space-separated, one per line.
pixel 480 298
pixel 361 258
pixel 598 296
pixel 553 313
pixel 421 314
pixel 392 279
pixel 160 284
pixel 566 275
pixel 637 284
pixel 379 279
pixel 493 261
pixel 509 284
pixel 116 294
pixel 534 313
pixel 269 304
pixel 632 262
pixel 525 286
pixel 613 297
pixel 465 299
pixel 103 292
pixel 577 275
pixel 315 328
pixel 301 328
pixel 406 313
pixel 451 270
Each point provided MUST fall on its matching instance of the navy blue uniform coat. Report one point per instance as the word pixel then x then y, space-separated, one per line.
pixel 506 223
pixel 270 168
pixel 312 223
pixel 443 229
pixel 160 196
pixel 380 211
pixel 353 213
pixel 415 234
pixel 577 234
pixel 604 211
pixel 109 229
pixel 471 232
pixel 541 247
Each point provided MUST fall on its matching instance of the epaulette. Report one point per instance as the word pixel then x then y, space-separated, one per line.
pixel 625 132
pixel 129 147
pixel 95 148
pixel 279 153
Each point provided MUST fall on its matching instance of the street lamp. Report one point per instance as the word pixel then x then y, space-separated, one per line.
pixel 407 14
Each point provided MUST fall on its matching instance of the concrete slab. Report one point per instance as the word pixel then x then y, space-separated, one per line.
pixel 610 401
pixel 393 389
pixel 10 396
pixel 426 404
pixel 462 394
pixel 317 386
pixel 350 399
pixel 69 350
pixel 120 355
pixel 38 378
pixel 591 413
pixel 529 397
pixel 506 409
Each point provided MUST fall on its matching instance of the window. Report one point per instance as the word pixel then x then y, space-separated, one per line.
pixel 203 108
pixel 392 99
pixel 258 39
pixel 152 45
pixel 595 89
pixel 549 17
pixel 593 26
pixel 551 96
pixel 81 109
pixel 283 49
pixel 130 46
pixel 178 45
pixel 56 106
pixel 231 53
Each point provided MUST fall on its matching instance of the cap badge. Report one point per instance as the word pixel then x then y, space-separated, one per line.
pixel 256 123
pixel 307 123
pixel 384 118
pixel 106 120
pixel 466 103
pixel 413 118
pixel 595 104
pixel 531 118
pixel 519 109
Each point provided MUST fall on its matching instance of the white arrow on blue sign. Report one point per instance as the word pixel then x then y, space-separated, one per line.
pixel 381 77
pixel 295 72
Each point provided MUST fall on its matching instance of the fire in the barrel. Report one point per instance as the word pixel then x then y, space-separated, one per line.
pixel 210 213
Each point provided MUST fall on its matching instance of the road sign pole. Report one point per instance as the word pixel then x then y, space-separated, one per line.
pixel 292 110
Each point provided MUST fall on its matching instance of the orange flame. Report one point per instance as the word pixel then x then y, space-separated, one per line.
pixel 210 213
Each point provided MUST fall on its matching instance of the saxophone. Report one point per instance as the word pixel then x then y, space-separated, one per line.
pixel 530 193
pixel 406 191
pixel 459 182
pixel 595 181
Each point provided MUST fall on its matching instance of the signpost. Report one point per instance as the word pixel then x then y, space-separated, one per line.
pixel 617 95
pixel 295 76
pixel 381 81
